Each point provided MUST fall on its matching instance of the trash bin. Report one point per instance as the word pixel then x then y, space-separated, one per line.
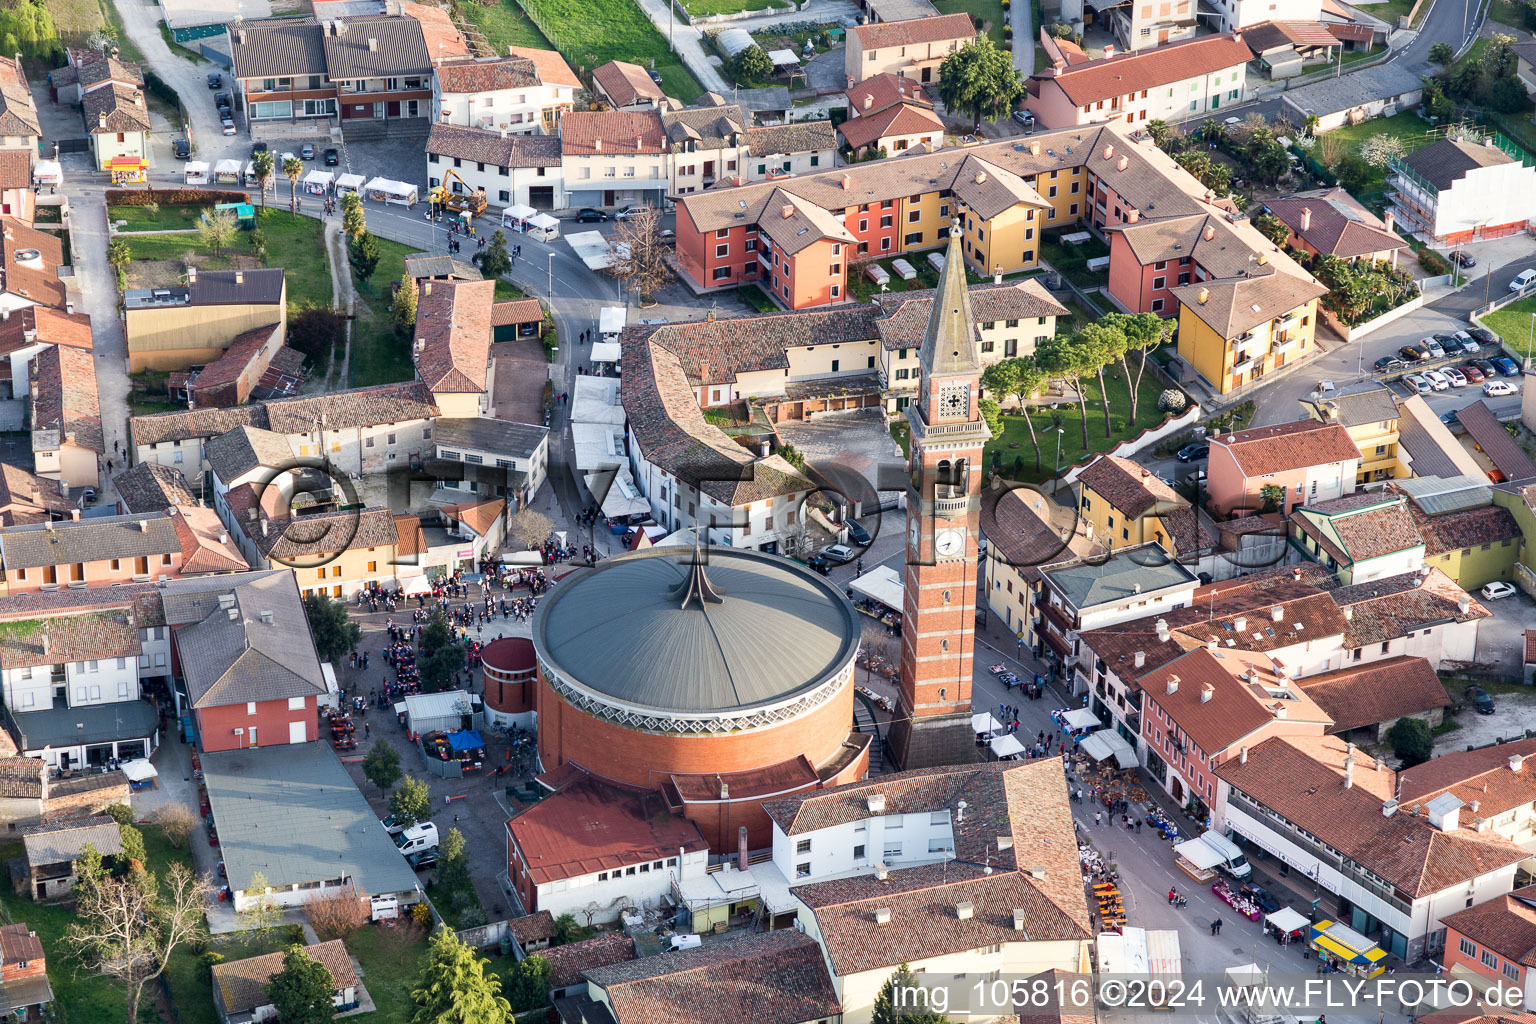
pixel 506 945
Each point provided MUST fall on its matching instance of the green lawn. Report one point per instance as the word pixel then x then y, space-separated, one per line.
pixel 1078 319
pixel 166 218
pixel 1014 441
pixel 192 983
pixel 587 33
pixel 1513 324
pixel 863 288
pixel 177 48
pixel 506 291
pixel 127 49
pixel 442 899
pixel 1408 126
pixel 390 958
pixel 379 355
pixel 1072 260
pixel 990 11
pixel 705 8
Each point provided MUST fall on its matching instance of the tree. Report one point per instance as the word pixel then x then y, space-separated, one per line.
pixel 992 416
pixel 366 255
pixel 438 667
pixel 334 634
pixel 1378 150
pixel 133 847
pixel 353 221
pixel 980 79
pixel 530 528
pixel 1412 741
pixel 639 257
pixel 1353 173
pixel 119 255
pixel 1066 359
pixel 1272 228
pixel 262 167
pixel 1021 378
pixel 337 913
pixel 126 931
pixel 1160 133
pixel 177 822
pixel 454 987
pixel 292 168
pixel 1270 162
pixel 1441 53
pixel 494 260
pixel 567 930
pixel 411 801
pixel 382 765
pixel 452 865
pixel 1101 344
pixel 404 311
pixel 215 230
pixel 749 66
pixel 303 991
pixel 317 331
pixel 436 632
pixel 1144 333
pixel 261 916
pixel 1507 96
pixel 899 998
pixel 528 984
pixel 1271 497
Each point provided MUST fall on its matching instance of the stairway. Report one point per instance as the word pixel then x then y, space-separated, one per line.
pixel 408 130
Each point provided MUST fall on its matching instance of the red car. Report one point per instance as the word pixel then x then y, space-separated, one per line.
pixel 1473 374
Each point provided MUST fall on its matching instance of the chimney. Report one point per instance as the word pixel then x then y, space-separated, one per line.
pixel 1162 630
pixel 426 287
pixel 1109 151
pixel 74 515
pixel 5 314
pixel 1109 50
pixel 101 119
pixel 223 536
pixel 45 643
pixel 1139 659
pixel 869 101
pixel 1389 220
pixel 725 790
pixel 373 45
pixel 597 144
pixel 741 848
pixel 1018 919
pixel 881 871
pixel 787 211
pixel 882 915
pixel 242 37
pixel 1240 624
pixel 1388 808
pixel 143 525
pixel 1034 149
pixel 239 277
pixel 1173 685
pixel 1516 762
pixel 638 141
pixel 1209 233
pixel 876 803
pixel 1349 612
pixel 1277 613
pixel 1280 711
pixel 264 525
pixel 981 177
pixel 1463 603
pixel 1242 755
pixel 1203 296
pixel 1475 804
pixel 191 275
pixel 1207 691
pixel 965 910
pixel 1306 218
pixel 1133 215
pixel 997 274
pixel 1349 773
pixel 1122 163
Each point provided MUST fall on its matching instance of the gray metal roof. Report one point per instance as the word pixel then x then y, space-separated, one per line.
pixel 64 841
pixel 277 48
pixel 502 437
pixel 376 48
pixel 242 637
pixel 1383 82
pixel 1147 568
pixel 125 537
pixel 1436 493
pixel 64 726
pixel 292 813
pixel 779 630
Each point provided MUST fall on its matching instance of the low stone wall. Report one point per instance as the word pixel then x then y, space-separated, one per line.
pixel 1359 331
pixel 1168 428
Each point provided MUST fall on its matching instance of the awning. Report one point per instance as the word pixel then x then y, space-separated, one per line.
pixel 1007 746
pixel 518 212
pixel 1246 975
pixel 882 584
pixel 984 722
pixel 1199 854
pixel 1346 943
pixel 623 498
pixel 605 352
pixel 138 770
pixel 1107 743
pixel 610 319
pixel 390 186
pixel 129 163
pixel 591 248
pixel 1287 920
pixel 417 585
pixel 1081 718
pixel 349 182
pixel 191 167
pixel 228 167
pixel 468 739
pixel 543 222
pixel 315 177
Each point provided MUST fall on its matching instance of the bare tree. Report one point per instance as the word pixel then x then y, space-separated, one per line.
pixel 1330 148
pixel 337 913
pixel 177 822
pixel 530 528
pixel 127 928
pixel 217 229
pixel 639 256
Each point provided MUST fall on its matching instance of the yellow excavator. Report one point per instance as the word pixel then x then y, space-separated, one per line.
pixel 472 200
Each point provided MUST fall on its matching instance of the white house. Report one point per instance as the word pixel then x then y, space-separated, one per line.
pixel 513 170
pixel 502 94
pixel 1462 190
pixel 615 158
pixel 800 147
pixel 1235 15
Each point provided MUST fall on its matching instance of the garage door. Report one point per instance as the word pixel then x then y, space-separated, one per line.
pixel 296 732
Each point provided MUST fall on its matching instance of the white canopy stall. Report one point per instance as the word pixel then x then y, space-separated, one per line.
pixel 318 182
pixel 592 249
pixel 48 172
pixel 984 722
pixel 387 190
pixel 606 352
pixel 623 499
pixel 196 172
pixel 349 182
pixel 227 172
pixel 1197 859
pixel 544 227
pixel 880 584
pixel 1105 744
pixel 516 217
pixel 1006 746
pixel 610 321
pixel 1081 718
pixel 876 273
pixel 1287 920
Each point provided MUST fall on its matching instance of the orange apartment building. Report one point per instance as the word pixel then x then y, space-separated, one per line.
pixel 1494 943
pixel 113 550
pixel 799 236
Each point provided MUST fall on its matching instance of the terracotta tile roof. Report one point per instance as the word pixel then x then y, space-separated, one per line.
pixel 1484 427
pixel 1302 34
pixel 1273 617
pixel 141 600
pixel 795 137
pixel 237 358
pixel 18 111
pixel 797 224
pixel 885 90
pixel 625 84
pixel 27 498
pixel 115 108
pixel 1505 924
pixel 62 638
pixel 22 779
pixel 1339 225
pixel 516 311
pixel 411 542
pixel 717 351
pixel 1260 451
pixel 1446 162
pixel 1128 486
pixel 904 315
pixel 15 164
pixel 325 534
pixel 44 324
pixel 1125 73
pixel 590 826
pixel 358 407
pixel 1483 775
pixel 914 31
pixel 242 983
pixel 1469 528
pixel 1376 691
pixel 66 409
pixel 569 962
pixel 552 68
pixel 532 927
pixel 93 66
pixel 1240 304
pixel 453 334
pixel 1359 527
pixel 491 147
pixel 1234 707
pixel 479 516
pixel 1390 608
pixel 776 977
pixel 1301 779
pixel 151 487
pixel 244 449
pixel 205 544
pixel 486 75
pixel 443 40
pixel 165 427
pixel 901 119
pixel 1029 529
pixel 41 284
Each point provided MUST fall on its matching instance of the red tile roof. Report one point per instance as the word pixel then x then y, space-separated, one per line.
pixel 443 40
pixel 625 83
pixel 591 132
pixel 516 311
pixel 67 409
pixel 1505 924
pixel 875 94
pixel 1287 446
pixel 902 119
pixel 1125 73
pixel 479 516
pixel 453 334
pixel 1483 774
pixel 44 324
pixel 914 31
pixel 1376 691
pixel 1235 708
pixel 1468 528
pixel 1130 487
pixel 567 962
pixel 552 68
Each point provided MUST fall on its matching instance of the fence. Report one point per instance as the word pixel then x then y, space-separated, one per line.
pixel 485 936
pixel 1174 425
pixel 1359 331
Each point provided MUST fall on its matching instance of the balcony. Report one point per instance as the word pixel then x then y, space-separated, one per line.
pixel 1243 365
pixel 949 502
pixel 1284 345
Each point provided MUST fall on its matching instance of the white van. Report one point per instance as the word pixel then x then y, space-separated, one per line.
pixel 1235 863
pixel 419 837
pixel 1523 280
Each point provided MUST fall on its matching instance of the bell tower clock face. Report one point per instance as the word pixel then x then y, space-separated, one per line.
pixel 955 402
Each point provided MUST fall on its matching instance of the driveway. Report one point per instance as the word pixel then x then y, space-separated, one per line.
pixel 142 23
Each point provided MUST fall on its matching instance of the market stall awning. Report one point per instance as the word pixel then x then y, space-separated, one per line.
pixel 138 770
pixel 1288 920
pixel 1081 718
pixel 191 166
pixel 228 167
pixel 394 188
pixel 1346 943
pixel 350 181
pixel 128 163
pixel 518 212
pixel 1007 746
pixel 623 498
pixel 467 739
pixel 592 249
pixel 315 177
pixel 417 585
pixel 605 352
pixel 543 221
pixel 610 319
pixel 1246 975
pixel 1105 744
pixel 984 722
pixel 1199 854
pixel 881 584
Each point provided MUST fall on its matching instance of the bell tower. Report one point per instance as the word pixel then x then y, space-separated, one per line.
pixel 932 724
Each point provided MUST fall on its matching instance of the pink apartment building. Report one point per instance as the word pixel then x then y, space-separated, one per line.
pixel 1309 460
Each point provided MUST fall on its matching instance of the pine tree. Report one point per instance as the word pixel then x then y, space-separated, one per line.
pixel 303 991
pixel 404 312
pixel 454 988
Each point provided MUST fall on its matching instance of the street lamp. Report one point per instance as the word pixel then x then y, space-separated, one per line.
pixel 1061 432
pixel 551 282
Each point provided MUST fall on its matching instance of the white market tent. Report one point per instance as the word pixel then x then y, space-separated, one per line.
pixel 1107 743
pixel 1081 718
pixel 1287 920
pixel 1199 854
pixel 512 215
pixel 197 172
pixel 597 445
pixel 228 170
pixel 317 181
pixel 48 172
pixel 905 269
pixel 592 249
pixel 1006 746
pixel 605 351
pixel 1250 975
pixel 387 190
pixel 417 585
pixel 984 722
pixel 596 400
pixel 1125 953
pixel 610 320
pixel 138 770
pixel 349 183
pixel 544 227
pixel 880 584
pixel 623 498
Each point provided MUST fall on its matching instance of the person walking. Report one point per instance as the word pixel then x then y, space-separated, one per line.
pixel 1216 926
pixel 1098 818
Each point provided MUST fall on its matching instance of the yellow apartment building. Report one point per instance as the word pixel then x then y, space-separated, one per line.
pixel 176 328
pixel 1369 412
pixel 1124 505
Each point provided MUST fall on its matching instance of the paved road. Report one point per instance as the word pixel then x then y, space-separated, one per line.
pixel 142 21
pixel 98 298
pixel 688 43
pixel 1019 16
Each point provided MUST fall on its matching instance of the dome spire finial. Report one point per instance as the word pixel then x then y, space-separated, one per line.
pixel 696 585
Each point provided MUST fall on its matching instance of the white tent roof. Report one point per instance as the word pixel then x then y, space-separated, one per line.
pixel 597 445
pixel 195 167
pixel 543 221
pixel 518 212
pixel 1081 718
pixel 1004 746
pixel 984 722
pixel 1199 854
pixel 394 188
pixel 596 400
pixel 228 167
pixel 1287 920
pixel 314 177
pixel 880 584
pixel 1248 974
pixel 138 770
pixel 877 274
pixel 1107 743
pixel 610 319
pixel 592 249
pixel 623 497
pixel 353 181
pixel 782 57
pixel 417 585
pixel 605 351
pixel 436 705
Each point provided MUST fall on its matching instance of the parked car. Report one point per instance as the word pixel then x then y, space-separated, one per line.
pixel 668 237
pixel 1484 336
pixel 1478 697
pixel 221 100
pixel 1506 366
pixel 215 80
pixel 818 564
pixel 228 124
pixel 182 150
pixel 1463 259
pixel 1193 451
pixel 422 860
pixel 1451 418
pixel 1433 347
pixel 1024 117
pixel 587 215
pixel 839 554
pixel 1262 897
pixel 258 147
pixel 332 157
pixel 1413 353
pixel 306 152
pixel 655 75
pixel 1523 280
pixel 1455 376
pixel 1486 365
pixel 1473 374
pixel 630 211
pixel 393 825
pixel 1437 380
pixel 1419 383
pixel 858 534
pixel 1469 344
pixel 1387 364
pixel 1498 388
pixel 1449 344
pixel 1498 589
